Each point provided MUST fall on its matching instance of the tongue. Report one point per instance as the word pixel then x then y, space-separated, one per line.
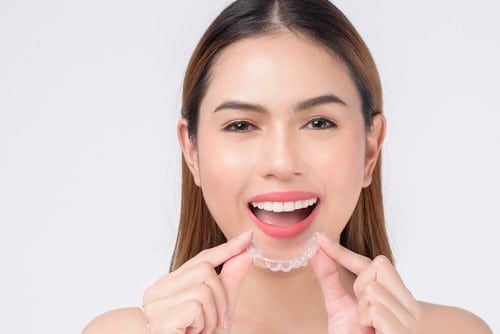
pixel 282 218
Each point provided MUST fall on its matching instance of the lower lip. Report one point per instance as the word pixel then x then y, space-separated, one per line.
pixel 283 232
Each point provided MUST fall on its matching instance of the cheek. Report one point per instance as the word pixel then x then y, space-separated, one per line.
pixel 339 161
pixel 225 170
pixel 341 170
pixel 222 160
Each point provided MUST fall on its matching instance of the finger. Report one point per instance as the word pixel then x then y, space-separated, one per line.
pixel 186 315
pixel 383 272
pixel 339 304
pixel 384 321
pixel 217 255
pixel 203 273
pixel 380 270
pixel 350 260
pixel 336 296
pixel 220 254
pixel 161 310
pixel 376 293
pixel 231 277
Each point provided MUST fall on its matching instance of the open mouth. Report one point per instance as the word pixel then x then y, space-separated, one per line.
pixel 283 214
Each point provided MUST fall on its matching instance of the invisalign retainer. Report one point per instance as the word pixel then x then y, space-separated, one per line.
pixel 284 265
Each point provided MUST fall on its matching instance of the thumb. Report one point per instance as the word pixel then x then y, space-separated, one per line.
pixel 337 299
pixel 231 276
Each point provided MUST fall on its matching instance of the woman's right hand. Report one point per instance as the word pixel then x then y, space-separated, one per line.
pixel 193 298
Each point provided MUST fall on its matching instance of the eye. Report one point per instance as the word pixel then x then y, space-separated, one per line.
pixel 320 124
pixel 239 126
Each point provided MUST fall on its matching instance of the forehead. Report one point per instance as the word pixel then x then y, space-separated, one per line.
pixel 277 70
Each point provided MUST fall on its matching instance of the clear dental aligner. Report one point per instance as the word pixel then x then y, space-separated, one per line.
pixel 284 265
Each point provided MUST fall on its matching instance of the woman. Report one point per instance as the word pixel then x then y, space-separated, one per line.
pixel 281 133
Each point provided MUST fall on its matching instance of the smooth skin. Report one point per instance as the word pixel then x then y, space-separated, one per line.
pixel 325 149
pixel 195 300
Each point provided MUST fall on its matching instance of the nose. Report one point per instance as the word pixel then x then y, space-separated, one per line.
pixel 280 155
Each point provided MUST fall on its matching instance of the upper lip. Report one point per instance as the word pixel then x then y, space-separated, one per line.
pixel 284 196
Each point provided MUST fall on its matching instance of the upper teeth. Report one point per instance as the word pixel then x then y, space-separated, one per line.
pixel 284 206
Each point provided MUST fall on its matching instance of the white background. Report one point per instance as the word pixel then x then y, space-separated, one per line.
pixel 89 164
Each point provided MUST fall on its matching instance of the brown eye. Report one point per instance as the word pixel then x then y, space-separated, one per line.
pixel 320 124
pixel 240 126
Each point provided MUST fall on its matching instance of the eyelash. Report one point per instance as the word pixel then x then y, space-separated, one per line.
pixel 244 126
pixel 236 126
pixel 327 124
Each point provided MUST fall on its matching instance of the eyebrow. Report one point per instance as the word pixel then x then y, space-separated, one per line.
pixel 239 105
pixel 319 100
pixel 303 105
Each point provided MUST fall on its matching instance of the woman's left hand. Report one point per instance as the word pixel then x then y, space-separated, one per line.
pixel 383 304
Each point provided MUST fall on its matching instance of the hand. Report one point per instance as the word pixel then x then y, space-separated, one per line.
pixel 194 299
pixel 383 304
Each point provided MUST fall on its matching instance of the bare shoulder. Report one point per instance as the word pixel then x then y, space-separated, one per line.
pixel 446 319
pixel 122 321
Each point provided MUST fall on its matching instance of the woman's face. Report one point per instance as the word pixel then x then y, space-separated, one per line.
pixel 281 146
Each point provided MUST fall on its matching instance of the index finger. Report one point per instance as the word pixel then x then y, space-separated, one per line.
pixel 350 260
pixel 220 254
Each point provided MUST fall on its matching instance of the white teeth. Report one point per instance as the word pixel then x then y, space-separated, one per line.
pixel 288 206
pixel 285 206
pixel 277 206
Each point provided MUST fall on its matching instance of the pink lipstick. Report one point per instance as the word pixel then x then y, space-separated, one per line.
pixel 284 214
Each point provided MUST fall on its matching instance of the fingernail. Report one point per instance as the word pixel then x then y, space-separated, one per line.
pixel 322 236
pixel 325 241
pixel 244 235
pixel 225 322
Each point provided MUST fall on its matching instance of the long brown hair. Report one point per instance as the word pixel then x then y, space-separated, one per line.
pixel 323 23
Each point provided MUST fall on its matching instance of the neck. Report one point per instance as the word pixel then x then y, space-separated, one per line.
pixel 279 302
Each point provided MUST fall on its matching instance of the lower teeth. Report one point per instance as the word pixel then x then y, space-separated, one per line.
pixel 284 265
